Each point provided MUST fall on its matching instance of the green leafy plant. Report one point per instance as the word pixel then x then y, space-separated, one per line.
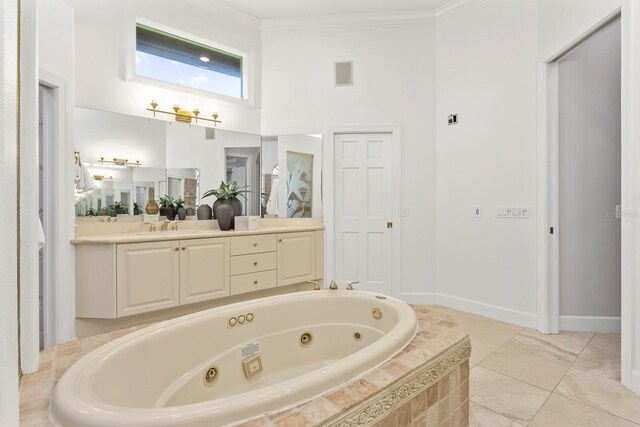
pixel 227 191
pixel 179 202
pixel 116 205
pixel 166 201
pixel 135 205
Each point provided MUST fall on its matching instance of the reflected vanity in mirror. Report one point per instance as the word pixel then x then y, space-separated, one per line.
pixel 292 176
pixel 126 162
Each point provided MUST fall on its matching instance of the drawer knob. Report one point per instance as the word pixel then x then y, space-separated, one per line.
pixel 255 263
pixel 279 240
pixel 176 249
pixel 255 244
pixel 255 282
pixel 184 249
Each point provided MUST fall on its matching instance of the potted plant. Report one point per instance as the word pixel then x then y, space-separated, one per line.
pixel 180 209
pixel 227 194
pixel 166 207
pixel 116 208
pixel 136 209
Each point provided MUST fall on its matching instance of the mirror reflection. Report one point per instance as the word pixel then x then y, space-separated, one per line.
pixel 292 176
pixel 128 166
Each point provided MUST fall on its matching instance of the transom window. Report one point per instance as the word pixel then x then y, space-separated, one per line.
pixel 173 59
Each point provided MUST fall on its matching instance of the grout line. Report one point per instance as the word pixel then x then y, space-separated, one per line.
pixel 497 413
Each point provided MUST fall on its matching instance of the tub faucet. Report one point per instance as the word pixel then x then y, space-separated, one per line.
pixel 333 285
pixel 316 285
pixel 350 285
pixel 165 225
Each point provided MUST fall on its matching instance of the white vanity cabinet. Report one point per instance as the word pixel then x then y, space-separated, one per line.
pixel 115 280
pixel 148 277
pixel 204 269
pixel 296 257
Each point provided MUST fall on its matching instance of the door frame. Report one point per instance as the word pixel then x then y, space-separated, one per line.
pixel 547 194
pixel 59 287
pixel 328 183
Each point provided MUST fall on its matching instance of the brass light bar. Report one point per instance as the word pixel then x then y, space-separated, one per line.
pixel 184 116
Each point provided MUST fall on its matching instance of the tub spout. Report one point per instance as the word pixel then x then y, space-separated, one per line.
pixel 350 285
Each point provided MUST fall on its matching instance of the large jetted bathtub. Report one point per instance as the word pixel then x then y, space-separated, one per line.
pixel 231 363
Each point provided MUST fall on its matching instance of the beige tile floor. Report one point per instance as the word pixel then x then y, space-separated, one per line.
pixel 521 377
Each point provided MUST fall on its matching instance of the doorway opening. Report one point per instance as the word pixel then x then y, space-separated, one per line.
pixel 242 165
pixel 582 287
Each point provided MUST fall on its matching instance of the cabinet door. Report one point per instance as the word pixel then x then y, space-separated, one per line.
pixel 296 257
pixel 204 269
pixel 148 277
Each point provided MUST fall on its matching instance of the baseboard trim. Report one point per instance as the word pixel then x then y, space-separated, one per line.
pixel 488 310
pixel 590 323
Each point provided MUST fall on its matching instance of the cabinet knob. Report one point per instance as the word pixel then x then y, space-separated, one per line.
pixel 255 282
pixel 176 249
pixel 255 263
pixel 184 249
pixel 279 240
pixel 255 244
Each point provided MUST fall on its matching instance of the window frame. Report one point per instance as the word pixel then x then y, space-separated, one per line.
pixel 246 54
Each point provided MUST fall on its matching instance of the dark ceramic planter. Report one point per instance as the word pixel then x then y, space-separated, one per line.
pixel 181 212
pixel 163 211
pixel 217 203
pixel 224 214
pixel 205 212
pixel 171 213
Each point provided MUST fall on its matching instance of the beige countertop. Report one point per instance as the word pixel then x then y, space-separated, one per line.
pixel 141 236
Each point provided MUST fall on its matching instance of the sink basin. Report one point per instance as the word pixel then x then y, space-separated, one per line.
pixel 168 233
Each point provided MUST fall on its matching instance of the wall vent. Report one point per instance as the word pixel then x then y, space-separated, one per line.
pixel 344 73
pixel 210 133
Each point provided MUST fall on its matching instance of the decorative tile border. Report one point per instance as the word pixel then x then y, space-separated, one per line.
pixel 381 405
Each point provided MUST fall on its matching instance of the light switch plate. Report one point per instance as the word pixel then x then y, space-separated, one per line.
pixel 477 211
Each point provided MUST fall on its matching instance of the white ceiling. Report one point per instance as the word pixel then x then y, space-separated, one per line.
pixel 277 9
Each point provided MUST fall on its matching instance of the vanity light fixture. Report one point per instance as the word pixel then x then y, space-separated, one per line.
pixel 118 162
pixel 184 116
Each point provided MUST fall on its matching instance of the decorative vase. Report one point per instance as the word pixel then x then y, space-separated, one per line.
pixel 163 211
pixel 215 206
pixel 171 212
pixel 224 213
pixel 181 212
pixel 237 210
pixel 205 212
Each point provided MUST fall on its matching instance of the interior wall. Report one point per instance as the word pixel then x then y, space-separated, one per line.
pixel 590 176
pixel 487 75
pixel 102 43
pixel 394 84
pixel 9 403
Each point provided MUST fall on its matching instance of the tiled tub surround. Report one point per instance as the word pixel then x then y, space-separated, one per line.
pixel 425 384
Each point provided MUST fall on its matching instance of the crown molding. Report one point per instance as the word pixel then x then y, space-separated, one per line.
pixel 369 19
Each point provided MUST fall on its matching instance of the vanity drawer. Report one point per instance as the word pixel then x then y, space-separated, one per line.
pixel 243 245
pixel 244 264
pixel 253 282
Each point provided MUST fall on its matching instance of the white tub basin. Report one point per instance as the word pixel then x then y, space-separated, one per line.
pixel 155 376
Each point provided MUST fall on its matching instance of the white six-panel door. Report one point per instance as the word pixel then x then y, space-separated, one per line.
pixel 363 210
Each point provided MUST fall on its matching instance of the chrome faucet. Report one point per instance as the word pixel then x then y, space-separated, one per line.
pixel 165 225
pixel 333 285
pixel 350 285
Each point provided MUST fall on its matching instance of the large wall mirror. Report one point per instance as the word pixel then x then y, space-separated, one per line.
pixel 281 173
